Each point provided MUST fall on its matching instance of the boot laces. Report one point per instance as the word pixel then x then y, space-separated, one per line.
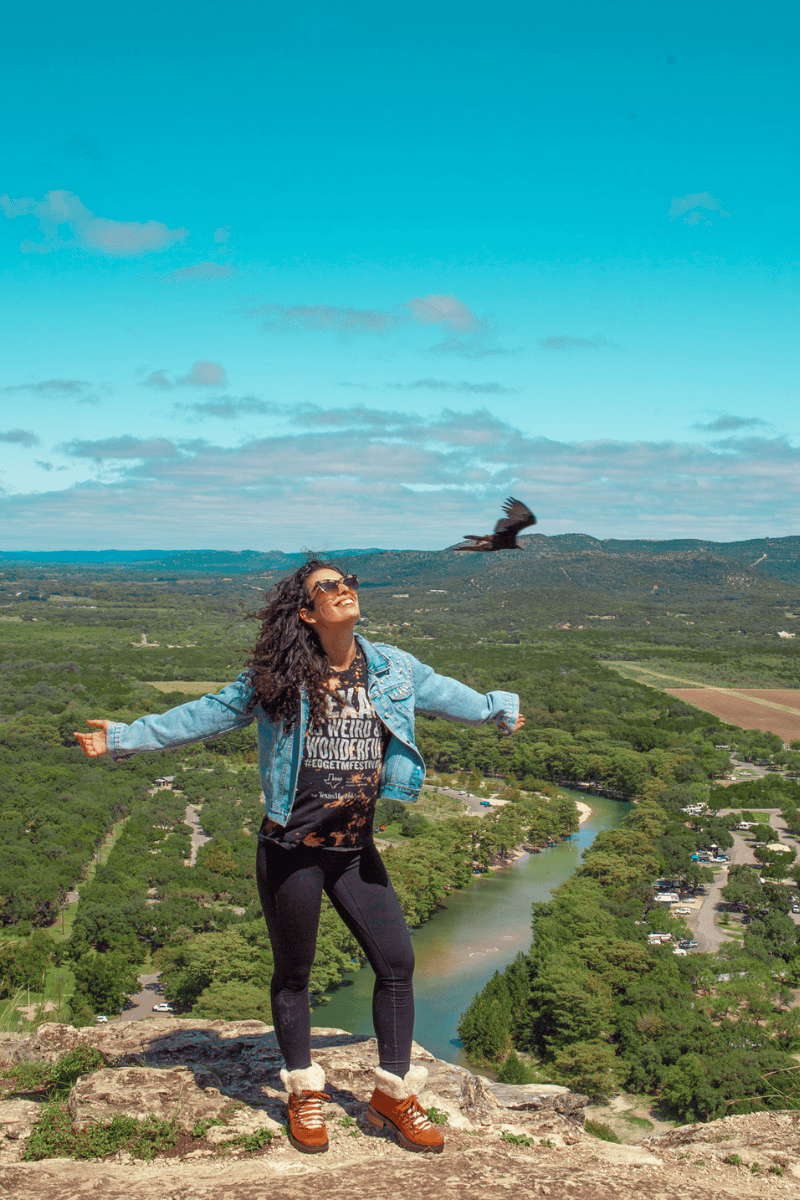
pixel 309 1109
pixel 414 1113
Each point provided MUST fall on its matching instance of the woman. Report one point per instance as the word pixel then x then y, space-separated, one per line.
pixel 335 722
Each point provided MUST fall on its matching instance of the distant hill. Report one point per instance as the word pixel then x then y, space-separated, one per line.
pixel 186 560
pixel 611 566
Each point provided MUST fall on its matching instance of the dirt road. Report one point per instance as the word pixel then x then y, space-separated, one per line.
pixel 199 838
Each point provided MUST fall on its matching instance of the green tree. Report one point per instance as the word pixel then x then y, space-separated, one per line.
pixel 103 981
pixel 233 1001
pixel 743 889
pixel 567 1004
pixel 588 1067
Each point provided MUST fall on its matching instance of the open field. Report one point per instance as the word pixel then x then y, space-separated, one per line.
pixel 189 687
pixel 784 697
pixel 751 710
pixel 772 710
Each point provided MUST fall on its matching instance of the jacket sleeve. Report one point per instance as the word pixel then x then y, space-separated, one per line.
pixel 197 721
pixel 440 696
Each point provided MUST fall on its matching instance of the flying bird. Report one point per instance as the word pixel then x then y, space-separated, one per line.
pixel 518 517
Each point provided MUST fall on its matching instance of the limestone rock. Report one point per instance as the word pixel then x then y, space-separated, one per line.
pixel 228 1072
pixel 169 1094
pixel 17 1118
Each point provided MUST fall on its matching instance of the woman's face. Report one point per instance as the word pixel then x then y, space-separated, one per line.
pixel 329 610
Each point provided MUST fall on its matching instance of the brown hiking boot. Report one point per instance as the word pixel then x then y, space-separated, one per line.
pixel 306 1126
pixel 394 1104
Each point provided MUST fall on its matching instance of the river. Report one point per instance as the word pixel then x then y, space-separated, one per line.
pixel 478 931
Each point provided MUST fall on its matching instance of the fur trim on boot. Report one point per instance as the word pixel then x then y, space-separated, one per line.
pixel 412 1083
pixel 394 1104
pixel 309 1079
pixel 306 1125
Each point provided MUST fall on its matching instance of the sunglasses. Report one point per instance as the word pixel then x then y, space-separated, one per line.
pixel 333 585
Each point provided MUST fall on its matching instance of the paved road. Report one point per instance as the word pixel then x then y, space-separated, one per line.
pixel 141 1005
pixel 708 935
pixel 470 802
pixel 702 923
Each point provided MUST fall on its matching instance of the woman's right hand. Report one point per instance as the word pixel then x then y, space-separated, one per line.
pixel 94 744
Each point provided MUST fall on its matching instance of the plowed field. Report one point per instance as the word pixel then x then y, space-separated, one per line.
pixel 773 710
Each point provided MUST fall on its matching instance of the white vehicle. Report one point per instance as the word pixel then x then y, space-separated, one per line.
pixel 101 1020
pixel 683 911
pixel 162 1008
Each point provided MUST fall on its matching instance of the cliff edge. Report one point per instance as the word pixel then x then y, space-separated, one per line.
pixel 218 1081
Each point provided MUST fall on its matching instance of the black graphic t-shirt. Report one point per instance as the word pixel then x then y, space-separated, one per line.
pixel 340 774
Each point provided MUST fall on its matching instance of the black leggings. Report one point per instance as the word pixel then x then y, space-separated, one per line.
pixel 290 884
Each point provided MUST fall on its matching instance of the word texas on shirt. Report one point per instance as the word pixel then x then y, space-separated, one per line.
pixel 339 779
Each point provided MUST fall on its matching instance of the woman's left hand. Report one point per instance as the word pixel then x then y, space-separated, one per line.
pixel 519 724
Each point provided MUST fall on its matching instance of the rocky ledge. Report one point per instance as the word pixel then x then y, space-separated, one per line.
pixel 527 1141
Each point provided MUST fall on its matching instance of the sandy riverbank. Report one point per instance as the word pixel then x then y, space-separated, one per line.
pixel 584 811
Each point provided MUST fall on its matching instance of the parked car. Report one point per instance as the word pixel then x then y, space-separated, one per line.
pixel 689 945
pixel 486 804
pixel 162 1008
pixel 683 911
pixel 101 1020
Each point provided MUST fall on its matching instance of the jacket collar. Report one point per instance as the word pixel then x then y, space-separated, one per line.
pixel 377 661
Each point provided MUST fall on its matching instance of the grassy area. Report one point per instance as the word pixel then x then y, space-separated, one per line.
pixel 436 806
pixel 28 1008
pixel 628 1117
pixel 62 926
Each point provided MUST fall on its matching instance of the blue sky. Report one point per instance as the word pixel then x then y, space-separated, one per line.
pixel 316 275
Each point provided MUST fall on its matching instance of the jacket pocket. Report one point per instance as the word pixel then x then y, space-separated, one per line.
pixel 400 691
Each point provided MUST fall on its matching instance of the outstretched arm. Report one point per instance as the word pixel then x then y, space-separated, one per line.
pixel 94 744
pixel 197 721
pixel 441 696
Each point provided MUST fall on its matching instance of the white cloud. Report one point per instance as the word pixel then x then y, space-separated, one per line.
pixel 202 374
pixel 230 407
pixel 20 437
pixel 468 335
pixel 118 448
pixel 694 206
pixel 199 273
pixel 563 341
pixel 365 476
pixel 222 235
pixel 158 380
pixel 290 318
pixel 60 209
pixel 447 311
pixel 727 423
pixel 465 388
pixel 69 387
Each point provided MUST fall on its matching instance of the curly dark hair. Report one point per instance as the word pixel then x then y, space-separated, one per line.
pixel 288 655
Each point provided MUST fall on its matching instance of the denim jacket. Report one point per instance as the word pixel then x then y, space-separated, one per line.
pixel 399 685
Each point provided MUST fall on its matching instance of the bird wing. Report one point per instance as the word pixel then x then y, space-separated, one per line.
pixel 518 516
